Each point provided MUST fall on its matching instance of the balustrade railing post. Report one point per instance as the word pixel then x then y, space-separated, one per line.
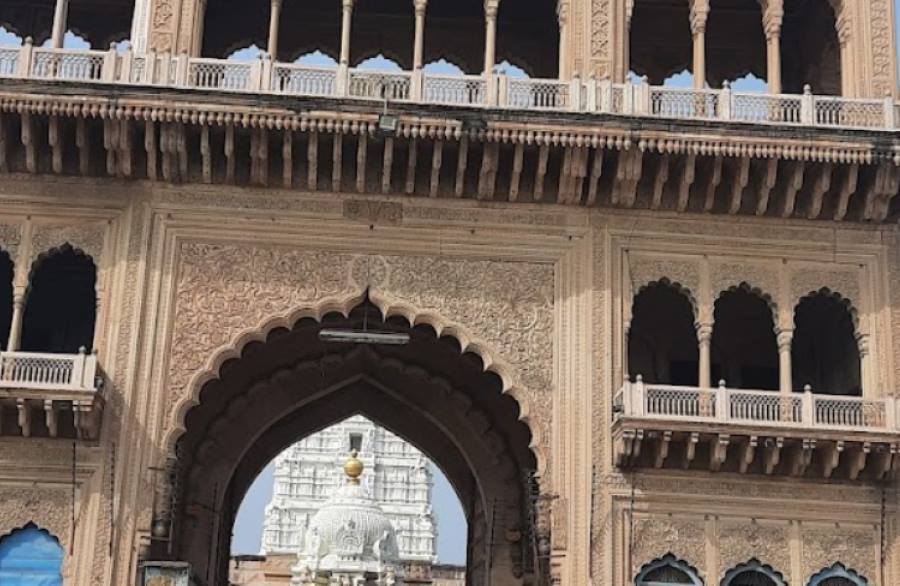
pixel 26 55
pixel 628 98
pixel 182 70
pixel 492 87
pixel 605 95
pixel 890 114
pixel 502 90
pixel 151 63
pixel 642 100
pixel 127 63
pixel 110 60
pixel 342 83
pixel 725 99
pixel 264 81
pixel 416 85
pixel 590 94
pixel 807 106
pixel 890 413
pixel 723 406
pixel 627 398
pixel 808 411
pixel 575 94
pixel 639 397
pixel 78 368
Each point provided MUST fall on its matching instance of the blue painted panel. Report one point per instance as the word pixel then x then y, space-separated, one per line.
pixel 30 557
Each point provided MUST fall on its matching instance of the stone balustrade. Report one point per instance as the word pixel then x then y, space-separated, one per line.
pixel 32 382
pixel 747 407
pixel 493 91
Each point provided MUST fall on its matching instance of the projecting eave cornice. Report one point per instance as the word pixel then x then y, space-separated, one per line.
pixel 562 129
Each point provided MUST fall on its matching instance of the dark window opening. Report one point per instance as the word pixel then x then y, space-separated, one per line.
pixel 356 442
pixel 744 350
pixel 60 309
pixel 662 343
pixel 6 298
pixel 824 351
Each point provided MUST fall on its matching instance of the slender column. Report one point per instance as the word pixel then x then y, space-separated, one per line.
pixel 784 338
pixel 274 24
pixel 773 16
pixel 699 14
pixel 704 341
pixel 346 18
pixel 15 330
pixel 490 35
pixel 848 64
pixel 419 41
pixel 60 16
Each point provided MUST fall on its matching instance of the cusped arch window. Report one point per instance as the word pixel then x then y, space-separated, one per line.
pixel 30 556
pixel 837 575
pixel 753 573
pixel 667 571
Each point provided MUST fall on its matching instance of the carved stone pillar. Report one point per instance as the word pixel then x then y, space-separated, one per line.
pixel 490 35
pixel 784 338
pixel 704 341
pixel 60 17
pixel 699 15
pixel 419 41
pixel 346 21
pixel 562 14
pixel 15 330
pixel 844 28
pixel 773 16
pixel 274 25
pixel 866 379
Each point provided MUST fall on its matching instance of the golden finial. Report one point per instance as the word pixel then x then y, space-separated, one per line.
pixel 353 468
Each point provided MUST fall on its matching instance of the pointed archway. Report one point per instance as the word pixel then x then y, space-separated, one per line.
pixel 292 384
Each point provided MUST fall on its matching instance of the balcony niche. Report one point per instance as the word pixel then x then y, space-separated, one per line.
pixel 662 342
pixel 824 352
pixel 744 350
pixel 60 310
pixel 810 50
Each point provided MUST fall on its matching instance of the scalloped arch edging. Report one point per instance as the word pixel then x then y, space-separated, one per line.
pixel 675 286
pixel 491 360
pixel 669 560
pixel 754 565
pixel 838 570
pixel 845 302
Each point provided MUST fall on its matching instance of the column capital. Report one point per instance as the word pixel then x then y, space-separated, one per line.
pixel 699 14
pixel 347 3
pixel 784 337
pixel 491 7
pixel 773 17
pixel 704 332
pixel 276 3
pixel 419 6
pixel 862 343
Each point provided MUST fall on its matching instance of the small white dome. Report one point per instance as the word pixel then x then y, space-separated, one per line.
pixel 349 534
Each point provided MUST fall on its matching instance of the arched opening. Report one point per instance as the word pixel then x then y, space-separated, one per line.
pixel 96 24
pixel 810 48
pixel 824 351
pixel 744 349
pixel 837 575
pixel 528 34
pixel 735 41
pixel 455 29
pixel 61 304
pixel 660 39
pixel 662 341
pixel 229 25
pixel 667 571
pixel 427 516
pixel 753 573
pixel 6 297
pixel 383 28
pixel 30 556
pixel 293 385
pixel 378 62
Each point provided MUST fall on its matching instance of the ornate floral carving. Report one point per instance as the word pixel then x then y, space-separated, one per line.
pixel 88 238
pixel 162 26
pixel 600 33
pixel 805 280
pixel 724 275
pixel 684 272
pixel 655 536
pixel 49 508
pixel 742 540
pixel 854 546
pixel 882 59
pixel 224 290
pixel 10 239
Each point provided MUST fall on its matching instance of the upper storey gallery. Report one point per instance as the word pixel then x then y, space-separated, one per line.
pixel 836 47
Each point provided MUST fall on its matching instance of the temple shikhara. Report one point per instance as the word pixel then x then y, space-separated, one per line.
pixel 626 271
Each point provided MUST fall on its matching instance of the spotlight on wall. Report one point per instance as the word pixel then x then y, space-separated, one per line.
pixel 364 337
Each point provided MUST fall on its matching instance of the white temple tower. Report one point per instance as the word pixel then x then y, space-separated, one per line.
pixel 398 477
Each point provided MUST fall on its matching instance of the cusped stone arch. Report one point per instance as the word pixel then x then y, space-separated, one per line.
pixel 34 552
pixel 754 290
pixel 668 570
pixel 837 575
pixel 744 348
pixel 753 573
pixel 667 282
pixel 839 297
pixel 467 343
pixel 281 381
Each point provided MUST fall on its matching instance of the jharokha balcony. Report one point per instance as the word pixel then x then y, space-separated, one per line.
pixel 265 76
pixel 55 395
pixel 763 432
